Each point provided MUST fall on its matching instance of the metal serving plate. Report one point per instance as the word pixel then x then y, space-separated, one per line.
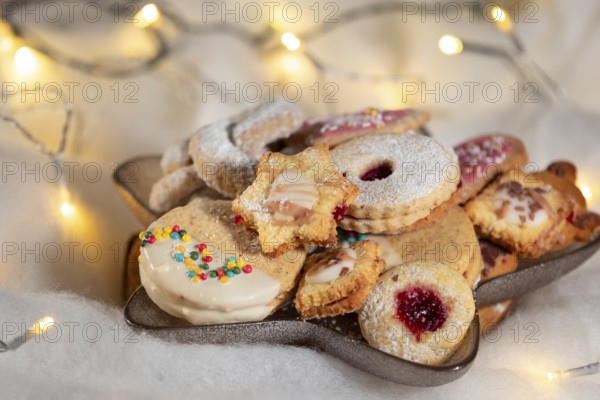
pixel 338 336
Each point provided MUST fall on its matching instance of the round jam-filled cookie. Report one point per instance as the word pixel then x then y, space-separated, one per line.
pixel 400 177
pixel 197 264
pixel 338 281
pixel 334 130
pixel 483 158
pixel 419 311
pixel 450 240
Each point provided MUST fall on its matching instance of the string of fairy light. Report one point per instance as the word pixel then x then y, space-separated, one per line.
pixel 27 49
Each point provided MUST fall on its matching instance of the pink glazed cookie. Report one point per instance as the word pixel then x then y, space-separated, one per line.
pixel 481 159
pixel 334 130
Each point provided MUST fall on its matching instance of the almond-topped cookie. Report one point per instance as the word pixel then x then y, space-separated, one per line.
pixel 520 212
pixel 295 200
pixel 338 281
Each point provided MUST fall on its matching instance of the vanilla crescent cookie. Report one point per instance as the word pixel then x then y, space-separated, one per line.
pixel 418 311
pixel 175 157
pixel 402 179
pixel 483 158
pixel 338 281
pixel 450 240
pixel 334 130
pixel 295 200
pixel 197 264
pixel 176 188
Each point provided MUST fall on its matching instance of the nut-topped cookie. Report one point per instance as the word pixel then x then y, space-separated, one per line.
pixel 295 200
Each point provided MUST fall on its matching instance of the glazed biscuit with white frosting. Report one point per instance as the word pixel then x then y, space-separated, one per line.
pixel 419 311
pixel 295 200
pixel 197 264
pixel 450 240
pixel 338 281
pixel 403 179
pixel 521 212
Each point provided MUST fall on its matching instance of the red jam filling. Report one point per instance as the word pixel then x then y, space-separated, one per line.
pixel 420 310
pixel 571 217
pixel 237 219
pixel 339 212
pixel 377 173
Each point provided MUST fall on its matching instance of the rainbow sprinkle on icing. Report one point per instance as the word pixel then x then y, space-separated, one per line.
pixel 196 261
pixel 350 236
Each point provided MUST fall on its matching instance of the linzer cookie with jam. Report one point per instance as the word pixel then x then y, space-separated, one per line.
pixel 419 311
pixel 197 264
pixel 338 281
pixel 295 200
pixel 406 181
pixel 337 129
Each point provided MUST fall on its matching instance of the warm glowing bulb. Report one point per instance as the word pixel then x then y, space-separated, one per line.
pixel 586 191
pixel 501 18
pixel 148 15
pixel 42 325
pixel 498 14
pixel 7 44
pixel 24 60
pixel 290 41
pixel 450 45
pixel 67 209
pixel 550 376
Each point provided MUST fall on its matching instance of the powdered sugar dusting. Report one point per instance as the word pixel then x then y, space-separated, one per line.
pixel 421 165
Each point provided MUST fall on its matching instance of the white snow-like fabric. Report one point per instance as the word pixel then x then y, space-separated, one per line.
pixel 554 328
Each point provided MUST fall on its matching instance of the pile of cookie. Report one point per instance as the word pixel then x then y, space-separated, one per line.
pixel 350 213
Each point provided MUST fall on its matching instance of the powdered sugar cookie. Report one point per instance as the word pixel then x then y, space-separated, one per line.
pixel 398 175
pixel 256 128
pixel 225 153
pixel 338 281
pixel 419 311
pixel 175 189
pixel 293 200
pixel 221 165
pixel 334 130
pixel 175 157
pixel 481 159
pixel 195 263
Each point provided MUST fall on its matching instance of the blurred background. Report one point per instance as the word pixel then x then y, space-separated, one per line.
pixel 86 86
